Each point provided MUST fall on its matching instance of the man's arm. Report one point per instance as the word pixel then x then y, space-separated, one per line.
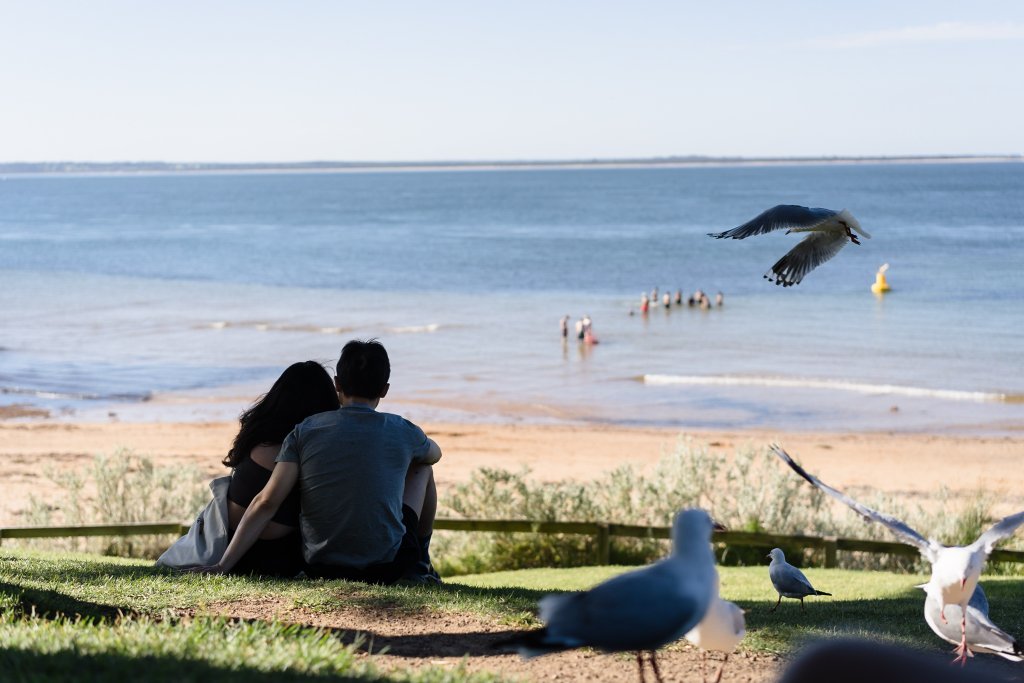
pixel 259 513
pixel 433 453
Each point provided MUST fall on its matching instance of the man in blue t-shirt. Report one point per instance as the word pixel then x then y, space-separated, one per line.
pixel 366 483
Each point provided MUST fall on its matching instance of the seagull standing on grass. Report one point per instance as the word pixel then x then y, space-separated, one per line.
pixel 638 611
pixel 982 635
pixel 789 581
pixel 721 630
pixel 955 569
pixel 829 232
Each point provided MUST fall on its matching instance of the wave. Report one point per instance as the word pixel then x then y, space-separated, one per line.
pixel 273 327
pixel 414 329
pixel 262 326
pixel 131 396
pixel 833 385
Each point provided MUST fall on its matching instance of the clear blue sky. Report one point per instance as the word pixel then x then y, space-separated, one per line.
pixel 524 79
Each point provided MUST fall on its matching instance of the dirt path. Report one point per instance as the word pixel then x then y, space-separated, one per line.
pixel 453 640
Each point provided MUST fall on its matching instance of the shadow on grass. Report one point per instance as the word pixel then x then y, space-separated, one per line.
pixel 25 666
pixel 83 571
pixel 49 604
pixel 494 601
pixel 895 620
pixel 898 620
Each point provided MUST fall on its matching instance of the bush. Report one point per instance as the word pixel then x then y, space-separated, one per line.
pixel 121 488
pixel 749 492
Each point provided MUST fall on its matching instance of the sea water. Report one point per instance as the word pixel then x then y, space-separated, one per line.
pixel 162 297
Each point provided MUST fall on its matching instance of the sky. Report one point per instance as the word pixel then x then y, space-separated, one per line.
pixel 307 80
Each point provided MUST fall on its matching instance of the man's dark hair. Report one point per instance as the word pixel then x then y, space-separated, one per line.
pixel 363 369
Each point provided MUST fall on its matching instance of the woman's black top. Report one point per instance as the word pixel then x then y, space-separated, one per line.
pixel 248 479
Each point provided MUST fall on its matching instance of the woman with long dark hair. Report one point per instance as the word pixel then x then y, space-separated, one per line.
pixel 302 390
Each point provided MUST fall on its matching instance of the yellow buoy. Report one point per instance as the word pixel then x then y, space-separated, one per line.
pixel 881 286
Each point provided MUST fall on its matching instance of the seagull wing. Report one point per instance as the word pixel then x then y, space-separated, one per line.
pixel 984 636
pixel 788 579
pixel 781 217
pixel 1004 528
pixel 810 253
pixel 640 610
pixel 928 549
pixel 979 600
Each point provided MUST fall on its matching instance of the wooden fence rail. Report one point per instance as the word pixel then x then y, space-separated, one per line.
pixel 601 533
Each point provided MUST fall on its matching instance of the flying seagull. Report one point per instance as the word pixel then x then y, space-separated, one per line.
pixel 982 635
pixel 955 569
pixel 789 581
pixel 637 611
pixel 829 232
pixel 721 630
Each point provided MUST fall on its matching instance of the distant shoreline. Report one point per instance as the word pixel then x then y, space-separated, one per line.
pixel 162 168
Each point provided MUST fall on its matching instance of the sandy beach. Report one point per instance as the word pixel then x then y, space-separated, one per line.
pixel 915 465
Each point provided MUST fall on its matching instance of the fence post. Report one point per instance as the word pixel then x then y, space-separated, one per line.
pixel 604 550
pixel 831 546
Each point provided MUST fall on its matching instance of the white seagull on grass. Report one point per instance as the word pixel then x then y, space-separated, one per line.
pixel 789 581
pixel 829 232
pixel 721 630
pixel 982 635
pixel 638 611
pixel 955 569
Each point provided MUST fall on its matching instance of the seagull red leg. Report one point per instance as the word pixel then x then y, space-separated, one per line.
pixel 962 649
pixel 640 664
pixel 654 666
pixel 718 678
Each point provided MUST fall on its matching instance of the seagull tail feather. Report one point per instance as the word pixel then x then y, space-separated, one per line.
pixel 817 592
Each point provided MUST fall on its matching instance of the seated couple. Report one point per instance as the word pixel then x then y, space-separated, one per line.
pixel 335 489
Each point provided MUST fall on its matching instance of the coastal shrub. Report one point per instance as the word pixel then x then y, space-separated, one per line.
pixel 120 488
pixel 747 492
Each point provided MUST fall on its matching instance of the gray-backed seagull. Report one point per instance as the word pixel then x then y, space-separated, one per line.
pixel 829 232
pixel 955 569
pixel 639 611
pixel 789 581
pixel 982 635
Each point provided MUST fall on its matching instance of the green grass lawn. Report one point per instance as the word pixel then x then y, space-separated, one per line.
pixel 123 618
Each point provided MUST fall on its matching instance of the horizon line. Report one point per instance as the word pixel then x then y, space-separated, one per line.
pixel 142 166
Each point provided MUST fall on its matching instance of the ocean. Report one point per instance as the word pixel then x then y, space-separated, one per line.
pixel 182 297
